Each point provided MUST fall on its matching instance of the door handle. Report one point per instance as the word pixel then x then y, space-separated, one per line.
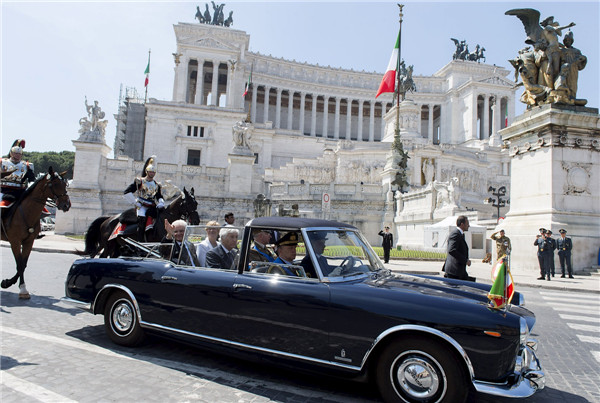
pixel 165 278
pixel 246 286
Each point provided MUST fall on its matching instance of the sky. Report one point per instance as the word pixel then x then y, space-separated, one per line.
pixel 55 54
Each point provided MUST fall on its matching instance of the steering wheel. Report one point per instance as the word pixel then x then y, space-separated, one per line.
pixel 347 264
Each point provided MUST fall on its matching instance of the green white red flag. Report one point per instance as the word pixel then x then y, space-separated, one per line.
pixel 247 87
pixel 503 288
pixel 389 78
pixel 147 73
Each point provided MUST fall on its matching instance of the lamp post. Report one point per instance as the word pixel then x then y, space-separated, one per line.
pixel 499 200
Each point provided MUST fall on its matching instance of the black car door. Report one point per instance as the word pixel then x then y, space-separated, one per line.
pixel 281 313
pixel 196 300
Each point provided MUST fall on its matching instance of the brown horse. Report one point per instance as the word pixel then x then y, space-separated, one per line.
pixel 21 223
pixel 98 236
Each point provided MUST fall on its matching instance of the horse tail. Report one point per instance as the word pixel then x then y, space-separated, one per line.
pixel 92 238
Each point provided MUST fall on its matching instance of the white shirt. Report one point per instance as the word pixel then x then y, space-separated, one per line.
pixel 201 250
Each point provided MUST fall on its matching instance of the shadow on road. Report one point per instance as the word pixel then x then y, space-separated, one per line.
pixel 11 300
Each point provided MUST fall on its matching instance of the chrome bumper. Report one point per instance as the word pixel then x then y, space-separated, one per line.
pixel 86 306
pixel 528 374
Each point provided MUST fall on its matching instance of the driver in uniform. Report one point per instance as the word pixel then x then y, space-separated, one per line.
pixel 149 197
pixel 16 175
pixel 285 247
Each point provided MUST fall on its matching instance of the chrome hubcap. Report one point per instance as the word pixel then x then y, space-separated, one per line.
pixel 122 317
pixel 417 376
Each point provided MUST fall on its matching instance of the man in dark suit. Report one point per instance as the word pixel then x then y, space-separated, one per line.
pixel 457 258
pixel 318 240
pixel 387 244
pixel 223 256
pixel 183 251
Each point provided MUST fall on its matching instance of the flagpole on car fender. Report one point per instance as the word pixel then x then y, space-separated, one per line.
pixel 400 6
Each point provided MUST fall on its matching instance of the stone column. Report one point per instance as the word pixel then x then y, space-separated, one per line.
pixel 496 123
pixel 348 119
pixel 474 117
pixel 325 116
pixel 336 130
pixel 199 83
pixel 554 182
pixel 313 117
pixel 430 124
pixel 278 109
pixel 266 104
pixel 180 87
pixel 371 121
pixel 383 108
pixel 229 73
pixel 302 103
pixel 254 95
pixel 359 133
pixel 486 117
pixel 215 84
pixel 290 112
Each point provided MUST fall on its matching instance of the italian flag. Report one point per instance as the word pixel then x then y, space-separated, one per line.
pixel 389 78
pixel 147 73
pixel 503 288
pixel 247 87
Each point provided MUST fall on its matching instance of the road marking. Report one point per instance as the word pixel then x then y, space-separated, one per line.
pixel 32 390
pixel 584 328
pixel 578 296
pixel 580 318
pixel 576 309
pixel 589 339
pixel 596 355
pixel 67 343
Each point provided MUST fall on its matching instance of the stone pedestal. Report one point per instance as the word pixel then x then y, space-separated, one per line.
pixel 555 182
pixel 84 191
pixel 240 171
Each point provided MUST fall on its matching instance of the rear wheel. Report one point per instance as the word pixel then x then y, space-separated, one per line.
pixel 121 321
pixel 420 370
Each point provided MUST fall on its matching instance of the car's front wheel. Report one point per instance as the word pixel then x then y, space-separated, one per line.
pixel 120 320
pixel 420 370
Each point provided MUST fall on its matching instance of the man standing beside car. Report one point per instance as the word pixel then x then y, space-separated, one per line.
pixel 457 258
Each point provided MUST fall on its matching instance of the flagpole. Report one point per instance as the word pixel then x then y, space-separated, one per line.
pixel 250 85
pixel 146 96
pixel 398 71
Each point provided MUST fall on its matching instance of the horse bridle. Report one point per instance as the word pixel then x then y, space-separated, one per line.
pixel 57 196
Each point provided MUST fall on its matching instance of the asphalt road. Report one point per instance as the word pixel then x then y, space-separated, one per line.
pixel 52 352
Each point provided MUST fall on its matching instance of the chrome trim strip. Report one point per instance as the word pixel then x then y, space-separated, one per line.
pixel 250 347
pixel 429 330
pixel 122 288
pixel 86 306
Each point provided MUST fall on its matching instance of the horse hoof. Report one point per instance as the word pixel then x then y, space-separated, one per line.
pixel 24 296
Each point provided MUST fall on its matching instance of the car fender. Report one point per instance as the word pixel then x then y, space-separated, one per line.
pixel 102 296
pixel 399 330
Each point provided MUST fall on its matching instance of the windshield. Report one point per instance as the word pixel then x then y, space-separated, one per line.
pixel 342 253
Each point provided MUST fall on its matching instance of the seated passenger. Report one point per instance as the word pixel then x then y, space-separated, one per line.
pixel 317 240
pixel 259 251
pixel 185 248
pixel 223 256
pixel 212 234
pixel 285 247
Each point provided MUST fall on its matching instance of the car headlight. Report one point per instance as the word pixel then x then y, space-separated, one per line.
pixel 523 331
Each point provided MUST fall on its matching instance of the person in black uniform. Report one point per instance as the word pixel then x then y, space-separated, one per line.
pixel 552 242
pixel 457 258
pixel 543 254
pixel 565 245
pixel 388 242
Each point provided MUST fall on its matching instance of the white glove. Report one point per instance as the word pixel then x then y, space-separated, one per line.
pixel 336 272
pixel 161 203
pixel 138 205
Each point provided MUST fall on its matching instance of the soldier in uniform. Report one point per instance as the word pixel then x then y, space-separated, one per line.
pixel 387 243
pixel 149 197
pixel 552 242
pixel 259 251
pixel 565 245
pixel 16 175
pixel 286 252
pixel 543 254
pixel 502 243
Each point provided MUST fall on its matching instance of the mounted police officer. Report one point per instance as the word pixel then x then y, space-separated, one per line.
pixel 149 197
pixel 16 175
pixel 565 245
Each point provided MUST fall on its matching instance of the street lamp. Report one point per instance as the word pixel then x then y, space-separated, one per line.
pixel 498 201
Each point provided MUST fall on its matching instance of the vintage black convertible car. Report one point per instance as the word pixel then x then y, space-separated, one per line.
pixel 339 310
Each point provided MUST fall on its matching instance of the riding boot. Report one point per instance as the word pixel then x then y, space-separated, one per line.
pixel 141 222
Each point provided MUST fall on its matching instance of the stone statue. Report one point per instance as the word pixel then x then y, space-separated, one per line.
pixel 428 170
pixel 241 134
pixel 405 80
pixel 446 193
pixel 262 206
pixel 217 18
pixel 92 128
pixel 207 18
pixel 548 76
pixel 199 15
pixel 462 51
pixel 229 21
pixel 460 48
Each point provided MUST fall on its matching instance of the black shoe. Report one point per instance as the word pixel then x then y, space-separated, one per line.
pixel 540 278
pixel 552 274
pixel 571 276
pixel 563 276
pixel 548 279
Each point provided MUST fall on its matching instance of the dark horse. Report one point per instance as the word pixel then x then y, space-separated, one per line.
pixel 21 223
pixel 97 238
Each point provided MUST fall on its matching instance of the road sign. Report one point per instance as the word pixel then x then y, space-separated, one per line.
pixel 325 202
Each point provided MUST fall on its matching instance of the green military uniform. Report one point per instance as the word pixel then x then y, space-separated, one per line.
pixel 502 244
